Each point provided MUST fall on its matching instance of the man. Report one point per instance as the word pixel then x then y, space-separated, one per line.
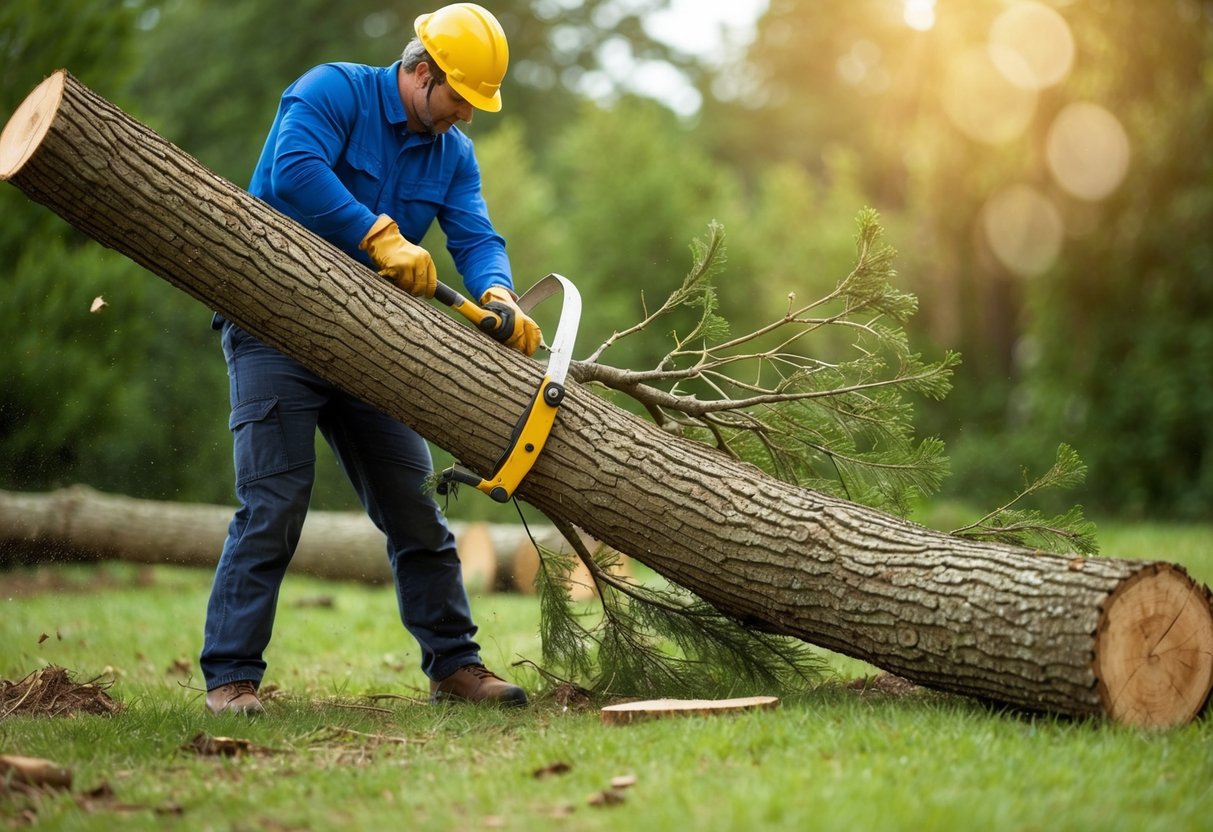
pixel 366 157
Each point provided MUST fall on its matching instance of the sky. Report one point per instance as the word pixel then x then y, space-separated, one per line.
pixel 705 26
pixel 713 29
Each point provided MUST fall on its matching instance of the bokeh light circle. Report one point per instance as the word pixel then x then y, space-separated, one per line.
pixel 1039 39
pixel 1088 151
pixel 1024 229
pixel 982 103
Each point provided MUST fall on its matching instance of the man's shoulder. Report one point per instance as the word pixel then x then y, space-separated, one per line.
pixel 352 70
pixel 359 77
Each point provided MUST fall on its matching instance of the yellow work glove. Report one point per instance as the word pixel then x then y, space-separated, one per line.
pixel 525 335
pixel 408 266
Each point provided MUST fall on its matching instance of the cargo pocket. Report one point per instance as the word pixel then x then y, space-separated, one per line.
pixel 258 439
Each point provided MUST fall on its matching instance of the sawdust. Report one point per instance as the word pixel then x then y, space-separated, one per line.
pixel 51 691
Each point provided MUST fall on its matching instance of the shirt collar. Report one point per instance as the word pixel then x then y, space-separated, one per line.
pixel 389 89
pixel 390 92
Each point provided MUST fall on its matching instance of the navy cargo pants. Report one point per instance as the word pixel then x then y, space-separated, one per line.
pixel 277 405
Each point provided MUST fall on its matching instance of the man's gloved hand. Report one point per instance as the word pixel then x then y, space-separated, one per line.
pixel 525 336
pixel 408 266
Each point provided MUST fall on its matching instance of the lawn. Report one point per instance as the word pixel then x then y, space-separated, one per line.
pixel 333 755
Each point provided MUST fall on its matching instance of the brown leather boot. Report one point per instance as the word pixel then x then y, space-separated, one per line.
pixel 236 698
pixel 476 683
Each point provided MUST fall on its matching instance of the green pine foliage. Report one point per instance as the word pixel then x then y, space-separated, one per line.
pixel 836 418
pixel 839 421
pixel 647 639
pixel 1069 531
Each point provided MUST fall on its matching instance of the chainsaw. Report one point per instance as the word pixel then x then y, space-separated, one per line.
pixel 531 431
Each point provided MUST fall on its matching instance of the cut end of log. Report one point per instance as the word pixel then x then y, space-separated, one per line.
pixel 477 557
pixel 629 712
pixel 28 125
pixel 1154 649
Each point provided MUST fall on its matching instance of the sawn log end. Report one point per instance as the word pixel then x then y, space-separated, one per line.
pixel 1154 649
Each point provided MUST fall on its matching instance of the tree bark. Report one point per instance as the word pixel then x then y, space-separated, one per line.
pixel 81 524
pixel 1129 639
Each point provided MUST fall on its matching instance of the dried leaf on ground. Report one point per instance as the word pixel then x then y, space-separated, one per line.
pixel 204 745
pixel 33 771
pixel 606 797
pixel 551 769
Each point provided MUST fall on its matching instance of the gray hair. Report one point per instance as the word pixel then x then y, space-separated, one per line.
pixel 416 53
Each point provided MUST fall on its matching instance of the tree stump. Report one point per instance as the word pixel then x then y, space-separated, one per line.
pixel 1069 635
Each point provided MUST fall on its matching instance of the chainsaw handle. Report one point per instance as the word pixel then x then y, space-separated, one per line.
pixel 491 321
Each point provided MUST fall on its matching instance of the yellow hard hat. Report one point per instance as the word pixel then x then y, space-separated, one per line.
pixel 468 44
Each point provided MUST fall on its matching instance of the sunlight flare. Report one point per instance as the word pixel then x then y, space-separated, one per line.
pixel 919 14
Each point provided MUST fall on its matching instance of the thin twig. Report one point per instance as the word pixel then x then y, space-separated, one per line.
pixel 320 703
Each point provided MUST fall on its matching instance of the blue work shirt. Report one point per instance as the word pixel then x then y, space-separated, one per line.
pixel 339 154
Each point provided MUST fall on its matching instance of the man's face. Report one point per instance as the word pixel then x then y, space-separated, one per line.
pixel 436 108
pixel 448 108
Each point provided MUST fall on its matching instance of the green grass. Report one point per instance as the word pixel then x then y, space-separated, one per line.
pixel 829 759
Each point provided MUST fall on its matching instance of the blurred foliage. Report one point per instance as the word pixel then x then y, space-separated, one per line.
pixel 96 45
pixel 634 192
pixel 1106 349
pixel 120 398
pixel 112 398
pixel 833 107
pixel 1121 335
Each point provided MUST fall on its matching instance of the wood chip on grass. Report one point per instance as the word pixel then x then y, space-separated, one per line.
pixel 630 712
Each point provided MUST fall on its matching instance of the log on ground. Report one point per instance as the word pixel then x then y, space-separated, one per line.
pixel 986 620
pixel 79 523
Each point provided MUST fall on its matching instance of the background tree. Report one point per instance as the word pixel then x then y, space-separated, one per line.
pixel 1122 333
pixel 1096 339
pixel 946 143
pixel 110 398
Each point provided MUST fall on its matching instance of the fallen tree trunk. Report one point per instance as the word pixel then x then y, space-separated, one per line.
pixel 81 524
pixel 1129 639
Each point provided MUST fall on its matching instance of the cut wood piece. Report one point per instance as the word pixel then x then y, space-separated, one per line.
pixel 524 564
pixel 1153 649
pixel 524 567
pixel 629 712
pixel 477 558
